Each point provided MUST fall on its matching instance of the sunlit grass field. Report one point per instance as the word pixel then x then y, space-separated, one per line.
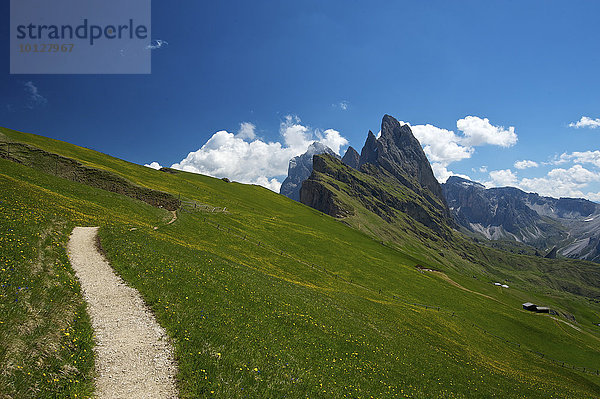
pixel 45 333
pixel 270 298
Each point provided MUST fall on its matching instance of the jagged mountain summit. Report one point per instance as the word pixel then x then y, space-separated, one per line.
pixel 300 168
pixel 507 213
pixel 391 178
pixel 398 152
pixel 351 158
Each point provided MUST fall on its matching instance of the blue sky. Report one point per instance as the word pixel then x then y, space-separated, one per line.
pixel 276 75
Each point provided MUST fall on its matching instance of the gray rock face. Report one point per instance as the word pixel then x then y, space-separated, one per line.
pixel 368 153
pixel 300 168
pixel 393 176
pixel 399 153
pixel 351 158
pixel 571 225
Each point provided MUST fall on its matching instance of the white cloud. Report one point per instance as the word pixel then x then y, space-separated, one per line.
pixel 272 184
pixel 573 182
pixel 247 131
pixel 246 159
pixel 34 99
pixel 592 157
pixel 442 174
pixel 526 164
pixel 153 165
pixel 562 182
pixel 444 146
pixel 332 139
pixel 294 134
pixel 343 105
pixel 481 169
pixel 156 44
pixel 478 131
pixel 586 122
pixel 576 174
pixel 502 178
pixel 441 145
pixel 593 196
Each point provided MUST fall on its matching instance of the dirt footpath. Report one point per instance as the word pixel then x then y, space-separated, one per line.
pixel 133 357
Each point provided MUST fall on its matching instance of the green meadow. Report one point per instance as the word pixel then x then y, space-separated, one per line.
pixel 264 297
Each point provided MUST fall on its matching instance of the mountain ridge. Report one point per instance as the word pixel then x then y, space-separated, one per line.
pixel 508 213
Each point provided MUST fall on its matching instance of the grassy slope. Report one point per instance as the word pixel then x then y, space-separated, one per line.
pixel 45 334
pixel 249 321
pixel 461 256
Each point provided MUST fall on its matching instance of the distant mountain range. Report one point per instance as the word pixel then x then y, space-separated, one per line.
pixel 570 225
pixel 394 179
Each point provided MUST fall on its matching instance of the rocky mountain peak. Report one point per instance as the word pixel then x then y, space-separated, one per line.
pixel 398 152
pixel 368 153
pixel 300 168
pixel 393 177
pixel 318 148
pixel 351 158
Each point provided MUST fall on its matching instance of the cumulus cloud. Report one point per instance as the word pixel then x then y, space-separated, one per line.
pixel 332 139
pixel 591 157
pixel 478 131
pixel 441 145
pixel 153 165
pixel 442 173
pixel 246 131
pixel 244 158
pixel 593 196
pixel 562 182
pixel 444 147
pixel 586 122
pixel 526 164
pixel 502 178
pixel 34 98
pixel 559 182
pixel 156 44
pixel 272 184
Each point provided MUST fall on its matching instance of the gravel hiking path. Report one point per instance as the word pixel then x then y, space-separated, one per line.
pixel 133 356
pixel 174 218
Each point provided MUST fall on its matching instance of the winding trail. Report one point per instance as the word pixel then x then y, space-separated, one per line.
pixel 174 218
pixel 133 356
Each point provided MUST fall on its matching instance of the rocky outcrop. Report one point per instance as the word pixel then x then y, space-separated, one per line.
pixel 551 254
pixel 351 158
pixel 300 168
pixel 317 196
pixel 369 150
pixel 71 169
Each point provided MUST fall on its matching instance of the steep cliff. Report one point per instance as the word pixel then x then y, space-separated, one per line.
pixel 300 168
pixel 351 158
